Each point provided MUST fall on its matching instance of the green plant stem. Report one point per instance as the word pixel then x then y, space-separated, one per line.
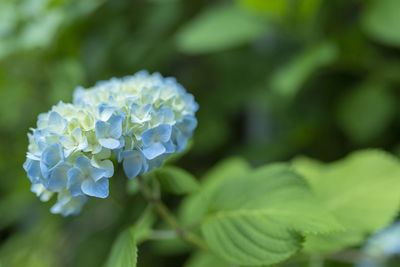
pixel 163 234
pixel 167 215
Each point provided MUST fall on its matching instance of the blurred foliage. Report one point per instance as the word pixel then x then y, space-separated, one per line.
pixel 260 217
pixel 124 251
pixel 219 28
pixel 338 187
pixel 274 79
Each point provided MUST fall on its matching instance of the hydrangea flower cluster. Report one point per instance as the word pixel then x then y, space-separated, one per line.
pixel 141 119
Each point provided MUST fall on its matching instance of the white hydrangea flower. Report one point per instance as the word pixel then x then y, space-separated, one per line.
pixel 142 119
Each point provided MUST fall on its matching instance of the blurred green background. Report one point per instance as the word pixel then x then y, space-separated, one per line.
pixel 274 79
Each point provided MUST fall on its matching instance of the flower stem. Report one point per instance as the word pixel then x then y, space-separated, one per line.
pixel 167 215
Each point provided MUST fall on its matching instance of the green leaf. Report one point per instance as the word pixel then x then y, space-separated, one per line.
pixel 308 7
pixel 358 119
pixel 218 28
pixel 260 218
pixel 362 191
pixel 274 7
pixel 381 21
pixel 142 227
pixel 288 80
pixel 205 259
pixel 124 251
pixel 194 206
pixel 22 248
pixel 176 180
pixel 280 9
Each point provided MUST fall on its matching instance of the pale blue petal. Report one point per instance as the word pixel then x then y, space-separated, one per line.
pixel 95 189
pixel 103 154
pixel 82 163
pixel 187 125
pixel 118 152
pixel 50 157
pixel 179 140
pixel 153 151
pixel 105 112
pixel 33 156
pixel 57 208
pixel 97 173
pixel 58 177
pixel 75 178
pixel 108 166
pixel 169 147
pixel 164 132
pixel 71 207
pixel 140 113
pixel 148 136
pixel 77 133
pixel 102 129
pixel 74 206
pixel 41 192
pixel 96 148
pixel 161 133
pixel 156 162
pixel 32 168
pixel 56 122
pixel 79 95
pixel 67 141
pixel 133 162
pixel 165 114
pixel 109 143
pixel 40 139
pixel 121 142
pixel 148 98
pixel 145 166
pixel 136 119
pixel 68 152
pixel 63 197
pixel 146 109
pixel 42 120
pixel 142 74
pixel 116 126
pixel 83 145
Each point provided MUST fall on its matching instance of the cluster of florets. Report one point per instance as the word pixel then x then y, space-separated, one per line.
pixel 141 119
